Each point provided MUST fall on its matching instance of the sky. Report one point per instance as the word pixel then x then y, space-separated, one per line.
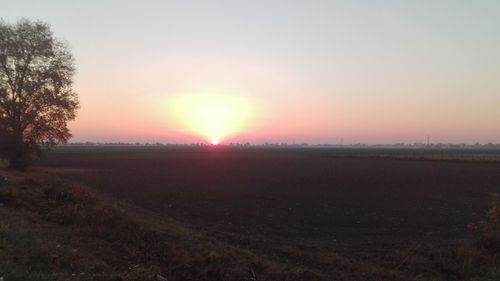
pixel 280 71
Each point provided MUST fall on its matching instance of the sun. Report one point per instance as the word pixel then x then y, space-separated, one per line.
pixel 213 117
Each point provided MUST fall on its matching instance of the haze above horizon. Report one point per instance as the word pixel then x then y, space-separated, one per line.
pixel 280 71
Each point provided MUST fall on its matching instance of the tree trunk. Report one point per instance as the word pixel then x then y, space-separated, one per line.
pixel 18 158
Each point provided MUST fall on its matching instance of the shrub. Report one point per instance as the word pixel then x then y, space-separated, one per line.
pixel 488 229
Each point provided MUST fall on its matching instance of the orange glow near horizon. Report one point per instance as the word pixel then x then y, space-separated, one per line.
pixel 213 117
pixel 230 73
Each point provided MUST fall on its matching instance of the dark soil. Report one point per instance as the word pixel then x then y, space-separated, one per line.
pixel 257 197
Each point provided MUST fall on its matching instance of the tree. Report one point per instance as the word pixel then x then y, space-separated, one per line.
pixel 36 95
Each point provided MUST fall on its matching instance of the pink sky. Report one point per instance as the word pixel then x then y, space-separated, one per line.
pixel 134 103
pixel 308 71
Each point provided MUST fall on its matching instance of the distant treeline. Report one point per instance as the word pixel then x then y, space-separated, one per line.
pixel 284 144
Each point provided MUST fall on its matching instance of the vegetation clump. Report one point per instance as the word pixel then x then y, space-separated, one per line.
pixel 488 229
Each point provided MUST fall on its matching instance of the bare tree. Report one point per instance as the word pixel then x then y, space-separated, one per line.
pixel 36 95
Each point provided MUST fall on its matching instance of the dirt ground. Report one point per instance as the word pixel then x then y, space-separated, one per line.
pixel 255 197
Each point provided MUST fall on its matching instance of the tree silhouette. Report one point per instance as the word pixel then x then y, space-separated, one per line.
pixel 36 95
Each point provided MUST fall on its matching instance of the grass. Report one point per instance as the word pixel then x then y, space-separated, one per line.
pixel 55 230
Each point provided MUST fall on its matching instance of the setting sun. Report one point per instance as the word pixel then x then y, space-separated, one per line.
pixel 213 117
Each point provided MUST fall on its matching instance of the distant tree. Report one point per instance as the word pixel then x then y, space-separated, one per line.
pixel 36 95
